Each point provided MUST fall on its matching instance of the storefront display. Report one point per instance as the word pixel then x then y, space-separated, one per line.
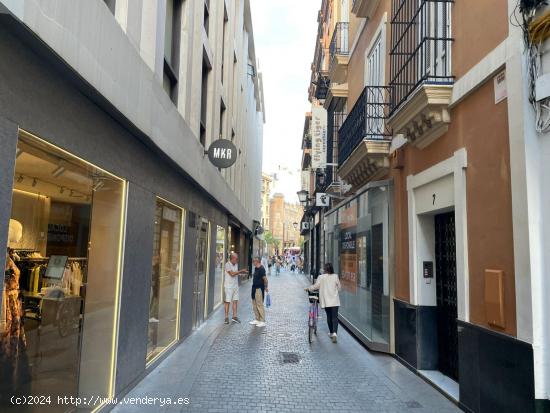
pixel 202 271
pixel 61 282
pixel 357 243
pixel 165 279
pixel 220 260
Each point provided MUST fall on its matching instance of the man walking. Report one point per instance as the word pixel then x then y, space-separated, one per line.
pixel 259 287
pixel 231 286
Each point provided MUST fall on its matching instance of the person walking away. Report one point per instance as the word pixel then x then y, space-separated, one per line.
pixel 264 261
pixel 329 286
pixel 277 266
pixel 259 288
pixel 231 286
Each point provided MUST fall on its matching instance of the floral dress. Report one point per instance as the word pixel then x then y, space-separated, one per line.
pixel 13 331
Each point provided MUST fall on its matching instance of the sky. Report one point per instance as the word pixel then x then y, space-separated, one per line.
pixel 284 35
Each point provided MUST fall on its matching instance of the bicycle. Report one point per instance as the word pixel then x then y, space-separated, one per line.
pixel 313 314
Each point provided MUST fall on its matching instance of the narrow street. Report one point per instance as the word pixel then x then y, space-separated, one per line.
pixel 239 367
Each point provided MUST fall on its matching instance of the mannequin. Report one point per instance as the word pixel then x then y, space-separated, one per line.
pixel 12 310
pixel 14 368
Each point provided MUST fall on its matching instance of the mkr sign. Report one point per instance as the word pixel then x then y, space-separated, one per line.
pixel 222 153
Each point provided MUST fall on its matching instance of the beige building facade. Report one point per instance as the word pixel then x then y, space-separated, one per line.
pixel 267 186
pixel 284 223
pixel 104 174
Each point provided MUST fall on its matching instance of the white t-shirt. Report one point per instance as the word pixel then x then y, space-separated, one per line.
pixel 229 280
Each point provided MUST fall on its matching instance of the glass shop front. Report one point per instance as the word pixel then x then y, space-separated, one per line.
pixel 357 243
pixel 61 284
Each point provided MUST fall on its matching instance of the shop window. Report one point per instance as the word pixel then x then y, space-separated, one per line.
pixel 165 279
pixel 357 243
pixel 220 260
pixel 60 297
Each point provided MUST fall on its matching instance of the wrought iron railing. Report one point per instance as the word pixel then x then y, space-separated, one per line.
pixel 339 45
pixel 367 120
pixel 334 122
pixel 421 46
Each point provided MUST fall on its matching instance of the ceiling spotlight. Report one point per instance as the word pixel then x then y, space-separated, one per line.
pixel 61 190
pixel 20 179
pixel 71 193
pixel 58 171
pixel 98 185
pixel 34 182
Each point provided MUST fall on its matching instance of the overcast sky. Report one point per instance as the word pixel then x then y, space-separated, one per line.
pixel 284 33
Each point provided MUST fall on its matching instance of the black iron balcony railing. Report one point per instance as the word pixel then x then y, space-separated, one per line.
pixel 334 123
pixel 421 46
pixel 367 120
pixel 339 45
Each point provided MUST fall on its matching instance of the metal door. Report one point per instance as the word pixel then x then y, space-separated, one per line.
pixel 201 272
pixel 445 256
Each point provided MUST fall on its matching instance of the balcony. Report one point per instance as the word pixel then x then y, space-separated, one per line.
pixel 365 8
pixel 339 53
pixel 335 121
pixel 364 138
pixel 421 77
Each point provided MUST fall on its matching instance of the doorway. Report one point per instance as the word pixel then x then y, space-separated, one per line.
pixel 200 290
pixel 446 290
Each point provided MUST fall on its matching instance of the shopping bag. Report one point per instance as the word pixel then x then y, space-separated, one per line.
pixel 268 300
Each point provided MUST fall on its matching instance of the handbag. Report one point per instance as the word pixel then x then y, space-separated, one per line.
pixel 268 300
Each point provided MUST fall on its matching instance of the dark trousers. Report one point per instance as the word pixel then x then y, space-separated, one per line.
pixel 332 319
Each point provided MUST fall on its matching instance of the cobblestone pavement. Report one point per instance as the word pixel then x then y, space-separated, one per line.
pixel 239 368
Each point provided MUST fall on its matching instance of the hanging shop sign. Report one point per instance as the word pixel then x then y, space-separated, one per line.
pixel 318 137
pixel 222 153
pixel 322 200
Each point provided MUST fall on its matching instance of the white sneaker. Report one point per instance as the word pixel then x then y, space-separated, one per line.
pixel 253 322
pixel 153 320
pixel 334 338
pixel 260 324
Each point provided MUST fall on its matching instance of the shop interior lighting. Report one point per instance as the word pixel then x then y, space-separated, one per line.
pixel 98 185
pixel 58 171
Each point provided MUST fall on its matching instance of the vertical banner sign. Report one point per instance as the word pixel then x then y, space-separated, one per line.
pixel 348 248
pixel 318 137
pixel 306 178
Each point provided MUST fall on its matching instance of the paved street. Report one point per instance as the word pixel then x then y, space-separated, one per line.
pixel 240 368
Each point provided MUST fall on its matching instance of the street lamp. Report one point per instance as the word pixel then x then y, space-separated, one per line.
pixel 303 197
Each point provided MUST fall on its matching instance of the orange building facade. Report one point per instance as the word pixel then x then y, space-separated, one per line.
pixel 419 169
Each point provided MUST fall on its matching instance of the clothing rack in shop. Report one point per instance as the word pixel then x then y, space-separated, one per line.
pixel 48 258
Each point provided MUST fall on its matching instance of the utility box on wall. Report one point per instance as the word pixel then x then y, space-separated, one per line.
pixel 494 298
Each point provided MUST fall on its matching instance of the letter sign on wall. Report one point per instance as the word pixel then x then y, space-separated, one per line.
pixel 222 153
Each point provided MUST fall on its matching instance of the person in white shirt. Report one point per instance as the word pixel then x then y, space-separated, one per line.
pixel 328 285
pixel 231 286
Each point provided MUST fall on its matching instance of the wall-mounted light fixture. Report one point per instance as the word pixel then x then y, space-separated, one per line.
pixel 58 171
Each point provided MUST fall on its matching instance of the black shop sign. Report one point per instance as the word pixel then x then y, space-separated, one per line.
pixel 222 153
pixel 348 240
